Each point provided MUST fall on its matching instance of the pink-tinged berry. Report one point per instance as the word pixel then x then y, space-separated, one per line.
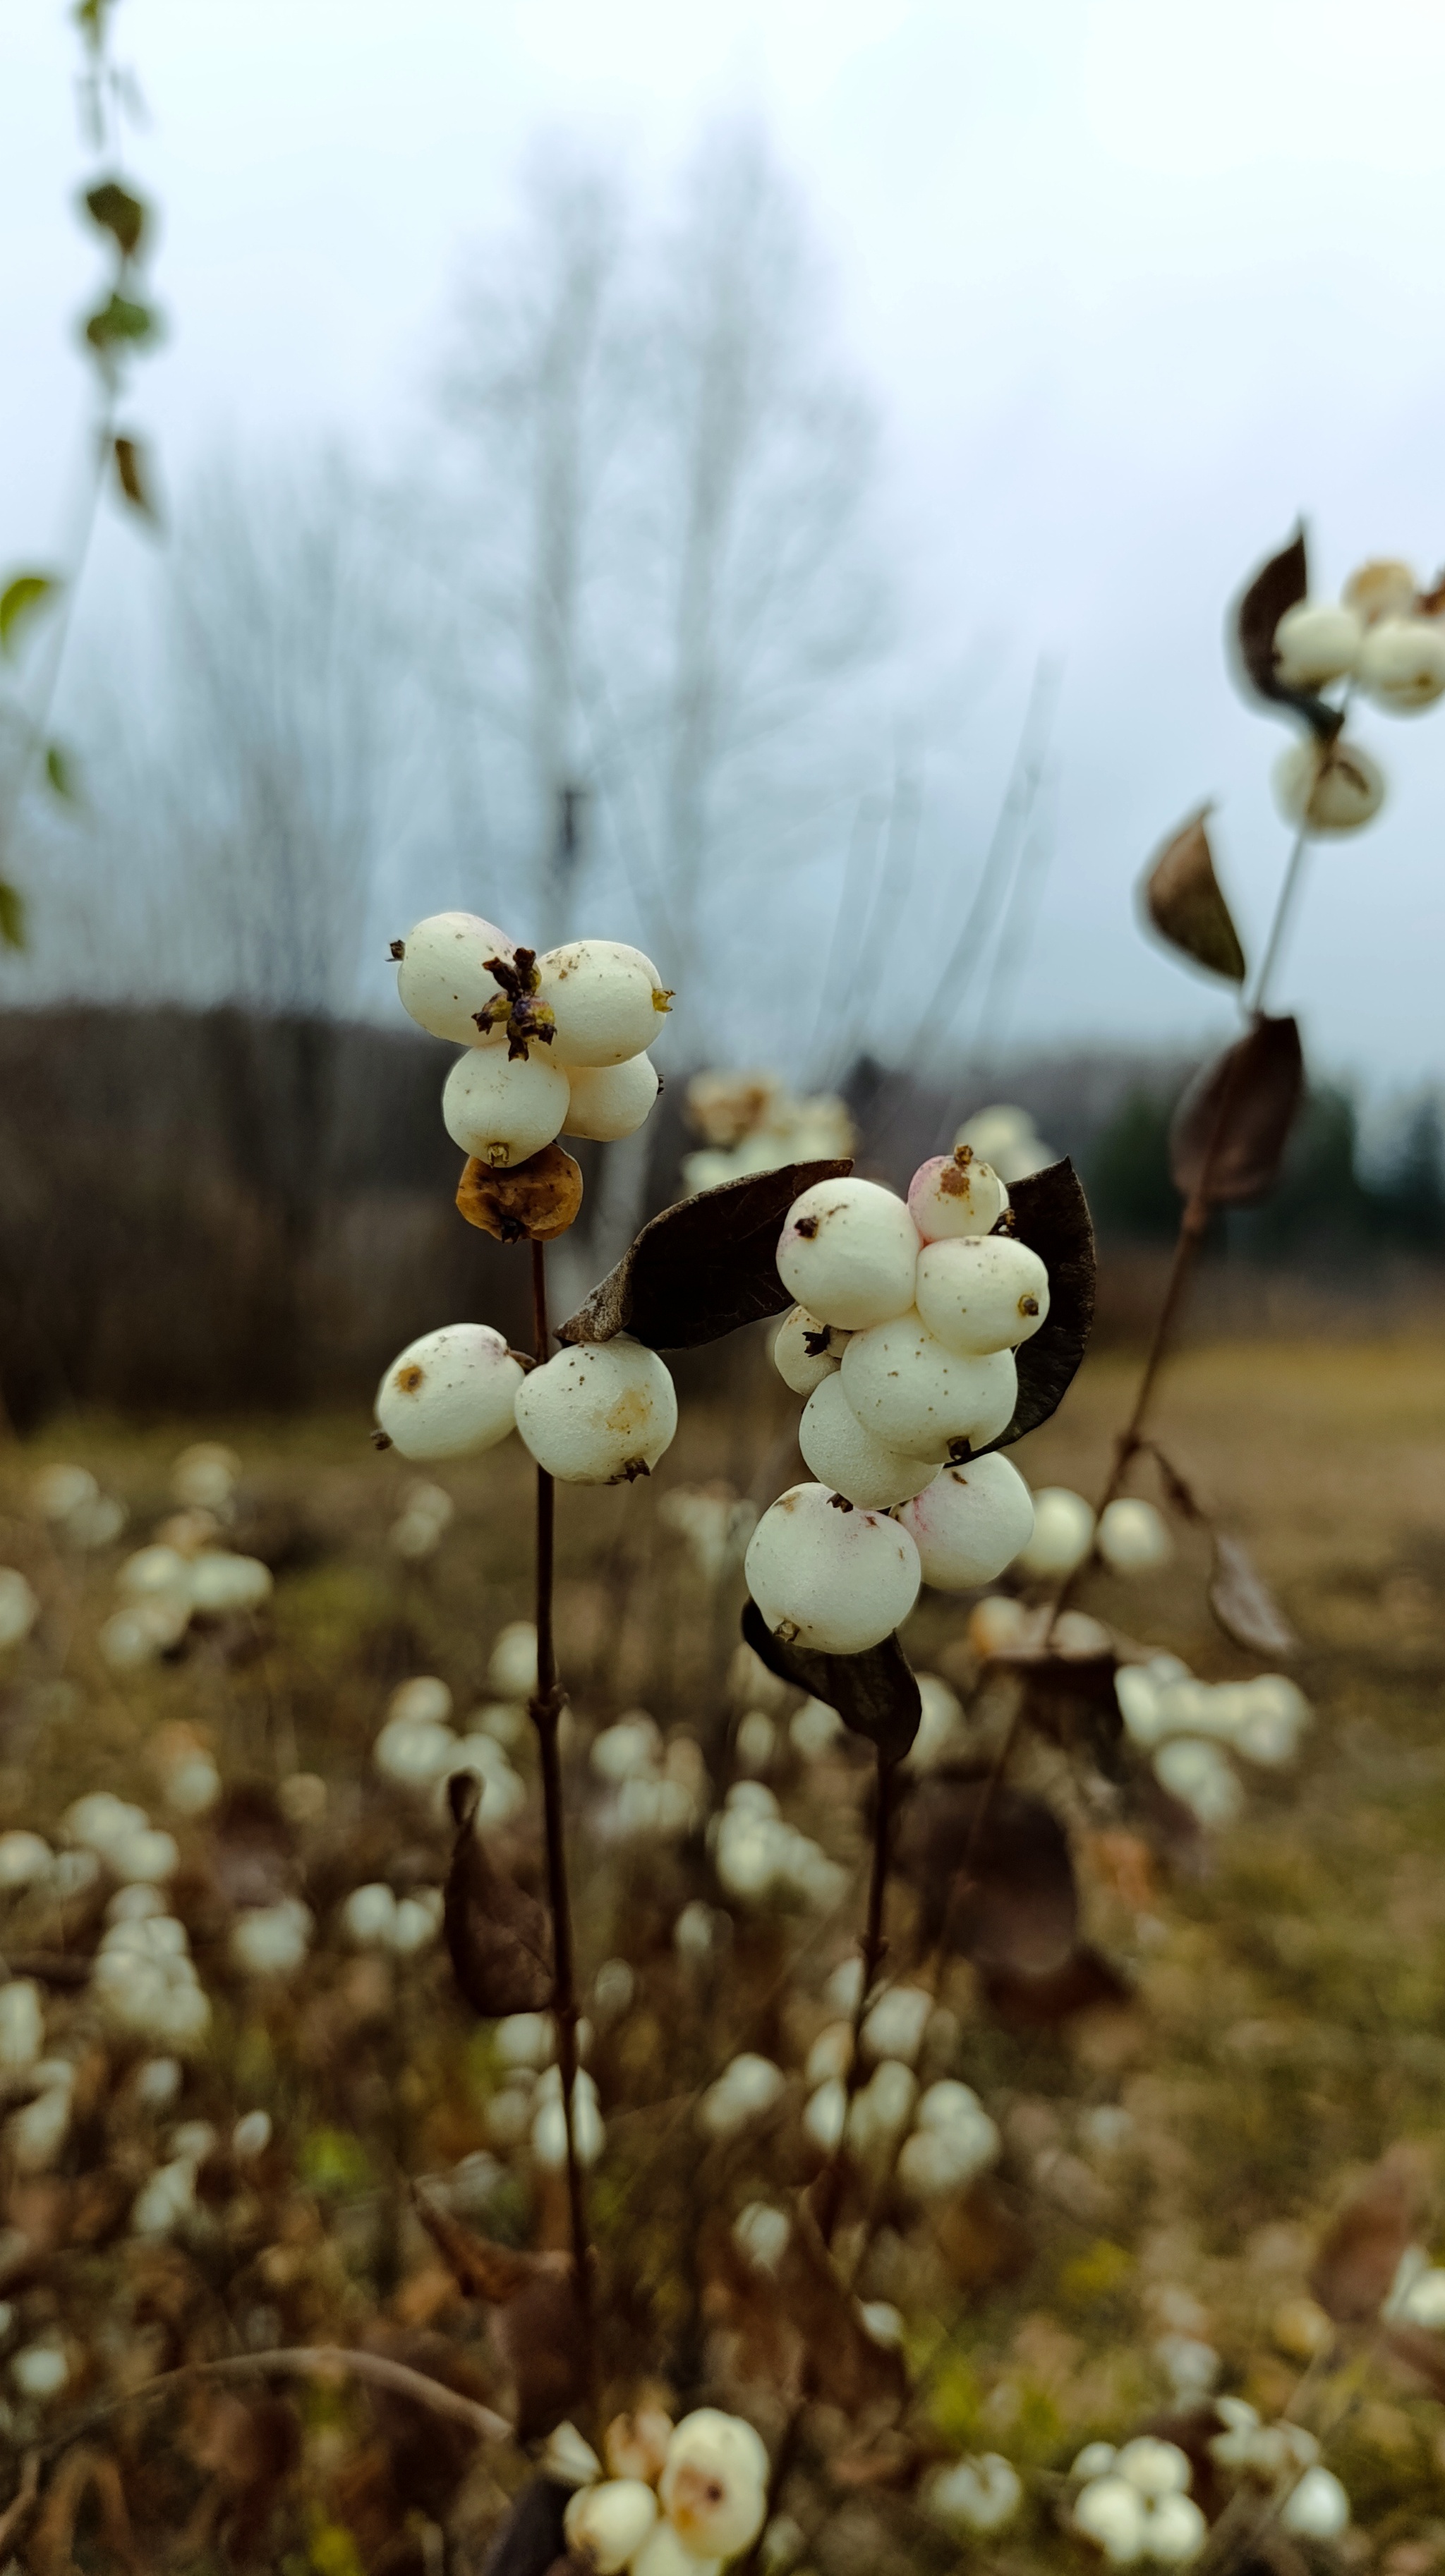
pixel 956 1194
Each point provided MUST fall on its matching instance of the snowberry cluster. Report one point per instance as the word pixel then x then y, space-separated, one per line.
pixel 902 1341
pixel 600 1415
pixel 677 2500
pixel 751 1122
pixel 1385 640
pixel 555 1045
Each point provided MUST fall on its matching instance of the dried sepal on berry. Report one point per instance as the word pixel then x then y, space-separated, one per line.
pixel 530 1203
pixel 517 1012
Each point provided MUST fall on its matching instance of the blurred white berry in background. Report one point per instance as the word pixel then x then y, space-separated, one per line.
pixel 1005 1136
pixel 426 1514
pixel 1335 787
pixel 1132 1537
pixel 61 1489
pixel 715 1522
pixel 838 1579
pixel 272 1940
pixel 747 2089
pixel 953 2140
pixel 1383 588
pixel 549 2125
pixel 1318 2508
pixel 25 1859
pixel 972 1523
pixel 763 2233
pixel 221 1582
pixel 750 1122
pixel 22 2022
pixel 979 2493
pixel 849 1253
pixel 897 2022
pixel 1402 663
pixel 598 1415
pixel 956 1194
pixel 1199 1775
pixel 205 1476
pixel 451 1394
pixel 1317 641
pixel 714 2485
pixel 40 2370
pixel 1063 1533
pixel 512 1666
pixel 19 1608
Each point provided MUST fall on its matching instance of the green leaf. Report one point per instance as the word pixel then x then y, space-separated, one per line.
pixel 12 916
pixel 122 323
pixel 116 211
pixel 28 590
pixel 59 772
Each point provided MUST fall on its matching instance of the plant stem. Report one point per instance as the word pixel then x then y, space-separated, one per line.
pixel 546 1713
pixel 316 2361
pixel 1282 910
pixel 830 2182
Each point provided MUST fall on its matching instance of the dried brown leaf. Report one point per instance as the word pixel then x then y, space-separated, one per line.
pixel 1243 1603
pixel 81 2472
pixel 531 1202
pixel 702 1268
pixel 845 2367
pixel 530 2539
pixel 496 2273
pixel 1181 897
pixel 1278 585
pixel 541 2338
pixel 1051 1215
pixel 498 1937
pixel 132 472
pixel 1360 2255
pixel 875 1693
pixel 1229 1132
pixel 993 1873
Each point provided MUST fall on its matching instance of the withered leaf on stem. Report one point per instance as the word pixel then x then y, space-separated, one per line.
pixel 845 2367
pixel 1051 1215
pixel 530 1203
pixel 482 2269
pixel 702 1268
pixel 530 2539
pixel 875 1693
pixel 1360 2255
pixel 541 2337
pixel 132 472
pixel 993 1873
pixel 1228 1134
pixel 498 1937
pixel 1181 897
pixel 1243 1604
pixel 1278 585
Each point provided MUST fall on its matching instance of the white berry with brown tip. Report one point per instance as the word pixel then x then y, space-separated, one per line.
pixel 842 1454
pixel 849 1252
pixel 714 2485
pixel 606 1000
pixel 1402 663
pixel 598 1415
pixel 956 1194
pixel 981 1293
pixel 1331 786
pixel 805 1351
pixel 610 1101
pixel 451 1394
pixel 1381 588
pixel 911 1391
pixel 442 976
pixel 828 1576
pixel 1315 642
pixel 503 1108
pixel 970 1524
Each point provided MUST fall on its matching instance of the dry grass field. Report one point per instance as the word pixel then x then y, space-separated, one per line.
pixel 1175 2152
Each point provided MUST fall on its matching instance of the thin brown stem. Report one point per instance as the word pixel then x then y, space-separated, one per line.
pixel 546 1712
pixel 315 2361
pixel 829 2191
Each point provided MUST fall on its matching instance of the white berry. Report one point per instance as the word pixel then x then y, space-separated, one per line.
pixel 1402 663
pixel 909 1390
pixel 955 1194
pixel 1316 642
pixel 1063 1532
pixel 500 1107
pixel 799 1365
pixel 1334 786
pixel 842 1454
pixel 1381 589
pixel 981 1293
pixel 848 1253
pixel 1133 1537
pixel 714 2485
pixel 970 1524
pixel 599 1415
pixel 606 2525
pixel 450 1395
pixel 442 979
pixel 829 1576
pixel 605 997
pixel 609 1101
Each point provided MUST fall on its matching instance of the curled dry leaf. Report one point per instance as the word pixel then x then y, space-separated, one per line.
pixel 993 1873
pixel 1229 1132
pixel 531 2537
pixel 1181 898
pixel 498 1937
pixel 842 2363
pixel 1051 1215
pixel 483 2270
pixel 1280 584
pixel 530 1203
pixel 875 1693
pixel 1360 2255
pixel 1243 1603
pixel 702 1268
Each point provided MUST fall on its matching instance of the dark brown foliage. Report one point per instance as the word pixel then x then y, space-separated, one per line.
pixel 993 1872
pixel 498 1937
pixel 531 2538
pixel 1051 1215
pixel 1181 897
pixel 1281 584
pixel 1360 2255
pixel 1230 1130
pixel 875 1694
pixel 702 1268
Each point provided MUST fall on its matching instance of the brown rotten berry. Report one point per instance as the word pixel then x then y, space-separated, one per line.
pixel 530 1203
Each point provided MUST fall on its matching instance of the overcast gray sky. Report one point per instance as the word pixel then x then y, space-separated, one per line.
pixel 1134 283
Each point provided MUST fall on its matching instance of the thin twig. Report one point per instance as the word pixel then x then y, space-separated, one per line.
pixel 17 2511
pixel 312 2361
pixel 546 1712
